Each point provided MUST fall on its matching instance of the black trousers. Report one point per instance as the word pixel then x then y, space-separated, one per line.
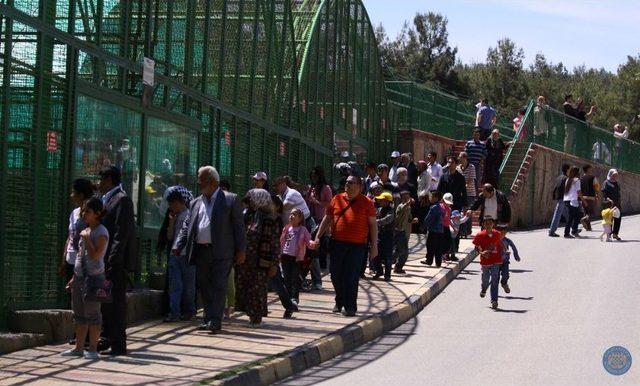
pixel 291 275
pixel 212 276
pixel 617 222
pixel 435 242
pixel 114 314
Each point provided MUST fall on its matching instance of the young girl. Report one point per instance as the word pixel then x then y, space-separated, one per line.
pixel 90 261
pixel 294 240
pixel 607 220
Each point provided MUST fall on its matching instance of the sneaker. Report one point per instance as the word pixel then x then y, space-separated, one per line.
pixel 72 353
pixel 616 237
pixel 294 305
pixel 91 355
pixel 336 309
pixel 569 237
pixel 483 293
pixel 288 314
pixel 424 262
pixel 506 288
pixel 494 304
pixel 553 234
pixel 576 234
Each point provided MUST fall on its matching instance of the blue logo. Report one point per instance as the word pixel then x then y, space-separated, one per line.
pixel 616 360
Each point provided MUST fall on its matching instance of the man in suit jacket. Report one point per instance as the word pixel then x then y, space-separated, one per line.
pixel 120 256
pixel 213 234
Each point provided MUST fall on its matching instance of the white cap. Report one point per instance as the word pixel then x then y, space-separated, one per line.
pixel 448 198
pixel 395 154
pixel 260 176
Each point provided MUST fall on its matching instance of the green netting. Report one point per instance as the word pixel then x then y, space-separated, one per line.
pixel 424 109
pixel 241 84
pixel 554 129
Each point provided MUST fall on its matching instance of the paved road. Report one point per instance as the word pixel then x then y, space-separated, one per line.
pixel 570 301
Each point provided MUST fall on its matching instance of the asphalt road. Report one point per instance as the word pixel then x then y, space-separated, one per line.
pixel 570 301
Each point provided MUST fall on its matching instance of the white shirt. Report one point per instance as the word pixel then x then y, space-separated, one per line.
pixel 424 183
pixel 572 194
pixel 435 170
pixel 491 207
pixel 204 218
pixel 393 173
pixel 291 199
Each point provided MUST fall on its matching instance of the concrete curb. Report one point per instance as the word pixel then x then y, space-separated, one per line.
pixel 349 337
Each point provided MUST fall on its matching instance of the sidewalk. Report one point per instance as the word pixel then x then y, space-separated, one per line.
pixel 177 354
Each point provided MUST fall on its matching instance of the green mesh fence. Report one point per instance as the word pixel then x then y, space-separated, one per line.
pixel 245 85
pixel 554 129
pixel 424 109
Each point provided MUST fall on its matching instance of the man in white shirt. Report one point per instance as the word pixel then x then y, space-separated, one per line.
pixel 291 199
pixel 424 179
pixel 213 238
pixel 434 169
pixel 395 163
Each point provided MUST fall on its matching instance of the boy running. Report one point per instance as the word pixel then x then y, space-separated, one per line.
pixel 504 267
pixel 489 246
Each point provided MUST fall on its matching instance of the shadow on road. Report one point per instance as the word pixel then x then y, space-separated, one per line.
pixel 363 355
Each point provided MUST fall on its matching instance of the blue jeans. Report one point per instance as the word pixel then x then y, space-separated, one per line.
pixel 346 262
pixel 401 253
pixel 573 218
pixel 491 276
pixel 559 212
pixel 182 286
pixel 504 272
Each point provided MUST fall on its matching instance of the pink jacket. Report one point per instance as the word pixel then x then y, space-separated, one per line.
pixel 298 250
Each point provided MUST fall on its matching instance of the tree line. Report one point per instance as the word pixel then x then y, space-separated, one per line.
pixel 421 52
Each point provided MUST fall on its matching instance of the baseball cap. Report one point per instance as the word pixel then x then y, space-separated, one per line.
pixel 385 196
pixel 395 154
pixel 260 176
pixel 455 213
pixel 448 198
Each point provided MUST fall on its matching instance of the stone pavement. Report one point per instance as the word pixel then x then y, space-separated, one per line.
pixel 178 354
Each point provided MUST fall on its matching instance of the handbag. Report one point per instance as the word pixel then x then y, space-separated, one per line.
pixel 96 288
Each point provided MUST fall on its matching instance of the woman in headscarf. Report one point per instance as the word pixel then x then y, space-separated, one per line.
pixel 263 249
pixel 611 192
pixel 495 153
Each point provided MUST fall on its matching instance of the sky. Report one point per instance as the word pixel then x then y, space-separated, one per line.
pixel 575 32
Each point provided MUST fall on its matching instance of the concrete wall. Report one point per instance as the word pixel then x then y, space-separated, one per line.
pixel 420 143
pixel 533 206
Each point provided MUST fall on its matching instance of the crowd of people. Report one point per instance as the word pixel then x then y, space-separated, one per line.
pixel 282 234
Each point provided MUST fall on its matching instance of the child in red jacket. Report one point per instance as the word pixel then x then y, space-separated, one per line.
pixel 489 245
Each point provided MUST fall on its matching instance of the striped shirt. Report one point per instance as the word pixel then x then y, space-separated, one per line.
pixel 476 151
pixel 351 225
pixel 469 174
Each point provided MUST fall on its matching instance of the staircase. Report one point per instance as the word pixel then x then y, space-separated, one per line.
pixel 514 174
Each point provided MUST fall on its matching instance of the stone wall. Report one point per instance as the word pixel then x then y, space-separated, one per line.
pixel 420 143
pixel 533 206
